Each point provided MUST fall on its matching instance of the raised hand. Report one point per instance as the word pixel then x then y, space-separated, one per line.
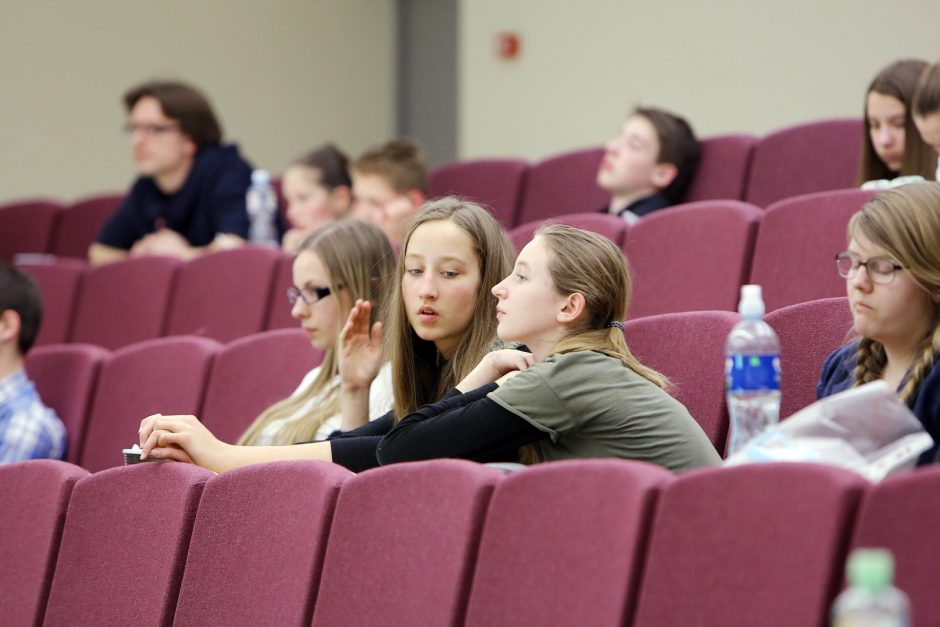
pixel 360 355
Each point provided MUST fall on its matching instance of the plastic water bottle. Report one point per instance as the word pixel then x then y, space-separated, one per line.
pixel 752 371
pixel 871 600
pixel 261 204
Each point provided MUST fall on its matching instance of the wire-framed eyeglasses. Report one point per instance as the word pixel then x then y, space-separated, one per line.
pixel 881 270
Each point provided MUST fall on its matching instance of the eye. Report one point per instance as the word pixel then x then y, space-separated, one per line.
pixel 521 277
pixel 450 274
pixel 414 271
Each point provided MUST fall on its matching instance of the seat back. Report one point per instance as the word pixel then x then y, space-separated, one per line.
pixel 794 256
pixel 808 332
pixel 612 227
pixel 415 560
pixel 689 349
pixel 80 222
pixel 124 302
pixel 278 316
pixel 550 540
pixel 65 377
pixel 60 283
pixel 901 514
pixel 258 543
pixel 223 295
pixel 562 184
pixel 166 375
pixel 803 159
pixel 251 374
pixel 35 496
pixel 27 227
pixel 722 170
pixel 124 545
pixel 496 183
pixel 749 545
pixel 691 257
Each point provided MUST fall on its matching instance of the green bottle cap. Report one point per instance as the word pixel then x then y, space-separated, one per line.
pixel 872 569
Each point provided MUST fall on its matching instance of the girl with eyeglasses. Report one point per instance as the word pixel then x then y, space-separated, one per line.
pixel 440 323
pixel 892 276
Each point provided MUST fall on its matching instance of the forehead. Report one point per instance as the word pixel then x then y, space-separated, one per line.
pixel 372 185
pixel 929 127
pixel 878 104
pixel 309 270
pixel 637 126
pixel 439 240
pixel 301 176
pixel 535 253
pixel 148 108
pixel 864 247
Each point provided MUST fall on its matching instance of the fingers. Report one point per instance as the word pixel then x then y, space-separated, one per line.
pixel 154 429
pixel 377 333
pixel 357 322
pixel 172 446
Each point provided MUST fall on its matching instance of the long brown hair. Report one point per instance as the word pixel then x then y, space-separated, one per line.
pixel 420 374
pixel 905 222
pixel 360 261
pixel 898 80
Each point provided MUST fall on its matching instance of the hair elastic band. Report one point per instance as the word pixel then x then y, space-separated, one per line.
pixel 615 323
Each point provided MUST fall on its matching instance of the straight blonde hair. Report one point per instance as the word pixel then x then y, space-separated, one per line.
pixel 360 261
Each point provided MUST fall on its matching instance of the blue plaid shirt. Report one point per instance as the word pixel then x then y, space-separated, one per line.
pixel 28 429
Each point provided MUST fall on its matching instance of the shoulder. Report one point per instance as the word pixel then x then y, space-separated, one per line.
pixel 220 159
pixel 837 371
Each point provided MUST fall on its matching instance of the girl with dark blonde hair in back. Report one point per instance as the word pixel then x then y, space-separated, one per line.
pixel 892 276
pixel 579 393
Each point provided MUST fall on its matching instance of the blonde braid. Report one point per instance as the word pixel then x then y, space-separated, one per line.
pixel 870 361
pixel 922 365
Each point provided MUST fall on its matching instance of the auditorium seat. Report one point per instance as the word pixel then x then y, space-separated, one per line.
pixel 613 228
pixel 124 544
pixel 759 544
pixel 808 332
pixel 691 257
pixel 412 564
pixel 80 222
pixel 35 496
pixel 901 514
pixel 689 349
pixel 562 184
pixel 795 253
pixel 570 539
pixel 496 183
pixel 65 377
pixel 258 543
pixel 27 227
pixel 59 283
pixel 722 170
pixel 124 302
pixel 223 295
pixel 165 375
pixel 278 316
pixel 805 158
pixel 250 374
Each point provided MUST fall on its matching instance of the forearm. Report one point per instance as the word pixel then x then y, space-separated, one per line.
pixel 99 253
pixel 354 406
pixel 237 456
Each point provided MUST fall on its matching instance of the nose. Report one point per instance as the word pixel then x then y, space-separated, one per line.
pixel 427 290
pixel 886 135
pixel 498 290
pixel 299 310
pixel 860 280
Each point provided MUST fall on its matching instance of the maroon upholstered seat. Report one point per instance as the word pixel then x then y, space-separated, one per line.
pixel 65 376
pixel 689 349
pixel 805 158
pixel 497 183
pixel 80 222
pixel 124 545
pixel 691 257
pixel 722 170
pixel 59 282
pixel 223 295
pixel 411 564
pixel 35 496
pixel 808 332
pixel 27 227
pixel 278 316
pixel 611 227
pixel 165 375
pixel 750 545
pixel 570 539
pixel 258 543
pixel 124 302
pixel 252 373
pixel 794 257
pixel 565 183
pixel 901 514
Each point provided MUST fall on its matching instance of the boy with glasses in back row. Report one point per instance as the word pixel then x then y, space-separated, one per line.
pixel 190 195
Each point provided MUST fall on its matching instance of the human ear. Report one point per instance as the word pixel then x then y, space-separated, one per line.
pixel 415 197
pixel 341 199
pixel 664 174
pixel 572 309
pixel 9 325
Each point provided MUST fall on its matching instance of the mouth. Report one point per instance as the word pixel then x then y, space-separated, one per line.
pixel 427 314
pixel 500 312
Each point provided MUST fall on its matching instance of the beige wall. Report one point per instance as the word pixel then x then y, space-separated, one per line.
pixel 729 66
pixel 283 75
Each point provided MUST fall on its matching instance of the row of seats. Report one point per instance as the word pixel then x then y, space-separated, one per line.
pixel 798 160
pixel 450 542
pixel 686 258
pixel 101 395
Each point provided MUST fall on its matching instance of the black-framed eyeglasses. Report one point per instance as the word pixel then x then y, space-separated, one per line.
pixel 150 129
pixel 309 295
pixel 881 270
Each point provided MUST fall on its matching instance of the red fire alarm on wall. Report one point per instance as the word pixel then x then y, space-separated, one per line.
pixel 508 45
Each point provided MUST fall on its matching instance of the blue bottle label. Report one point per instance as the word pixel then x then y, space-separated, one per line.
pixel 748 373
